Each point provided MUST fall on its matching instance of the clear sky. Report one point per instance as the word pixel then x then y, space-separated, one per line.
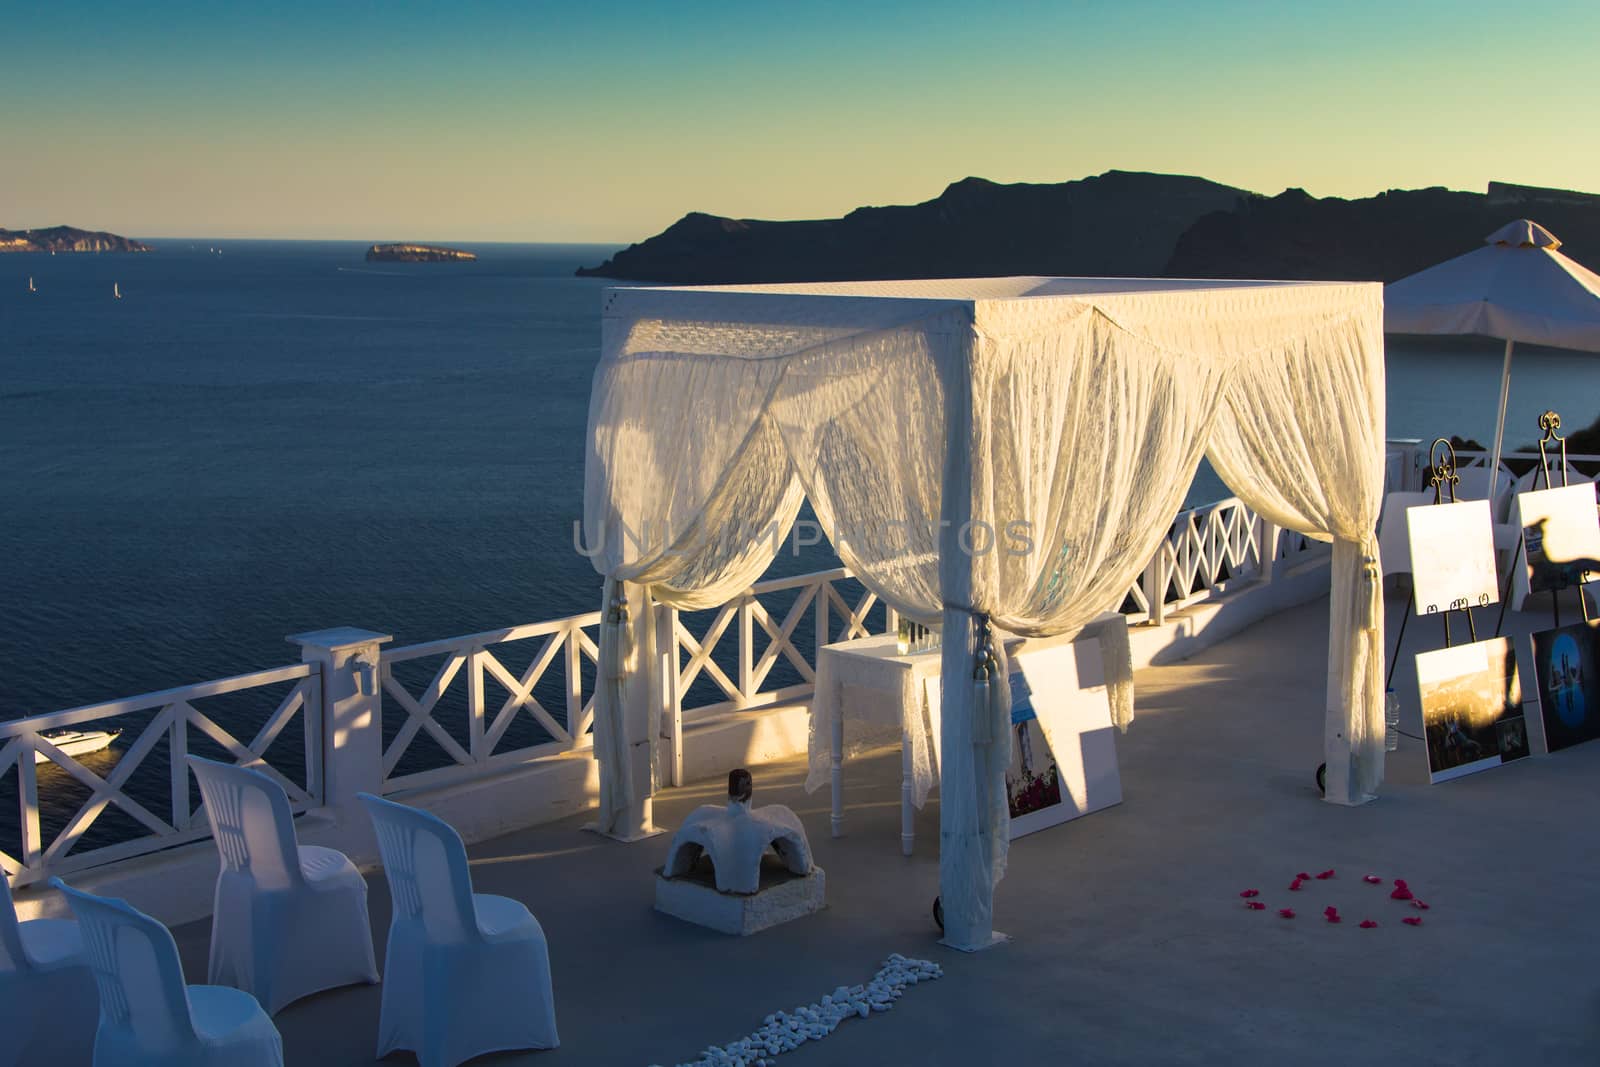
pixel 607 120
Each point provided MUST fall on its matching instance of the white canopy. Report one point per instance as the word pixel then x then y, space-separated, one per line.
pixel 1005 451
pixel 1518 287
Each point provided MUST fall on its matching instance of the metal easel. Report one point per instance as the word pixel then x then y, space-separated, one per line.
pixel 1444 479
pixel 1549 423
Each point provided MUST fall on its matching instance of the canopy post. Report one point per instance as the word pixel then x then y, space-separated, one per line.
pixel 627 715
pixel 1500 423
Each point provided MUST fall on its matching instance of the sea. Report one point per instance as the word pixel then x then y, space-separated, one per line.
pixel 262 438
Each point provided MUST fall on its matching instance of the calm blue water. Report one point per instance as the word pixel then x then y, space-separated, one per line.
pixel 283 438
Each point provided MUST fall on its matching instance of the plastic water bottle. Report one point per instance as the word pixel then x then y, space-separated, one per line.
pixel 1391 721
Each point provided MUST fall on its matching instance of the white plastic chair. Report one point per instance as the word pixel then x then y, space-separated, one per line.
pixel 1394 540
pixel 1474 485
pixel 465 973
pixel 148 1017
pixel 48 1003
pixel 289 919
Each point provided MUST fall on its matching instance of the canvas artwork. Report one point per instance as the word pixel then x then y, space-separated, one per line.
pixel 1560 536
pixel 1452 556
pixel 1565 661
pixel 1063 756
pixel 1471 700
pixel 1034 781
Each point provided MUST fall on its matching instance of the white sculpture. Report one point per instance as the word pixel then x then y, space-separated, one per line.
pixel 737 837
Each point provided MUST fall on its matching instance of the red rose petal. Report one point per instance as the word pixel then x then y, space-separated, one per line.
pixel 1288 913
pixel 1302 876
pixel 1401 882
pixel 1335 918
pixel 1401 894
pixel 1367 924
pixel 1419 905
pixel 1294 886
pixel 1372 879
pixel 1255 905
pixel 1325 875
pixel 1412 920
pixel 1248 893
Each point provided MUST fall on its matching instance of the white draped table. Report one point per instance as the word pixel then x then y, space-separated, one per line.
pixel 890 696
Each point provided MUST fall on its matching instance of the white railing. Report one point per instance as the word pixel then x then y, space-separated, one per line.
pixel 49 834
pixel 467 700
pixel 470 707
pixel 566 650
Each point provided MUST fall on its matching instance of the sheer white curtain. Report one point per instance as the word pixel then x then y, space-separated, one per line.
pixel 687 511
pixel 1300 439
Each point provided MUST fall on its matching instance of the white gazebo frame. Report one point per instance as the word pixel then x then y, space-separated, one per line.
pixel 702 443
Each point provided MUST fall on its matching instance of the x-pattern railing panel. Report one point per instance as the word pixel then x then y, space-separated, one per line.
pixel 172 716
pixel 469 666
pixel 742 678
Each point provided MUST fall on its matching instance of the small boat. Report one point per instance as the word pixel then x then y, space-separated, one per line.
pixel 76 742
pixel 116 294
pixel 31 287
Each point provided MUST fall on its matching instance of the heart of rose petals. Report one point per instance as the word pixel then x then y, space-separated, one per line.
pixel 1412 920
pixel 1325 875
pixel 1401 894
pixel 1367 924
pixel 1371 879
pixel 1418 904
pixel 1288 913
pixel 1255 905
pixel 1248 893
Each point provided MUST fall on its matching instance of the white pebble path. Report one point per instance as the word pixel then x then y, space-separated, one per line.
pixel 785 1031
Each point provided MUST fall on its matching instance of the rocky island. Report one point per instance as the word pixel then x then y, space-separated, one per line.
pixel 1119 223
pixel 66 239
pixel 410 253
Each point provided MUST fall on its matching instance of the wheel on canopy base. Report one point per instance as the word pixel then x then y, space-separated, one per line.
pixel 1322 778
pixel 938 912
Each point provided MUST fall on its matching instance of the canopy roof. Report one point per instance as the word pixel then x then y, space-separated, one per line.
pixel 1517 287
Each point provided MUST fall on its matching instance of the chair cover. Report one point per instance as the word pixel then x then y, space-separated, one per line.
pixel 289 919
pixel 148 1016
pixel 465 973
pixel 48 1004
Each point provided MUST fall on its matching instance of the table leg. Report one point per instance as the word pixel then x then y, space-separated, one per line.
pixel 908 812
pixel 837 756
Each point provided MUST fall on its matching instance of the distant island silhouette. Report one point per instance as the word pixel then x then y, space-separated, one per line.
pixel 414 253
pixel 67 239
pixel 1120 223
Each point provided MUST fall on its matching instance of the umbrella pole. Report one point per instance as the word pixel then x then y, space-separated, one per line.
pixel 1500 423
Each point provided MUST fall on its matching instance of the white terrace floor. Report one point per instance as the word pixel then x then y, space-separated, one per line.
pixel 1131 943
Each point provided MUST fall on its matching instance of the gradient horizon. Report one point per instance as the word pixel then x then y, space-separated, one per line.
pixel 567 122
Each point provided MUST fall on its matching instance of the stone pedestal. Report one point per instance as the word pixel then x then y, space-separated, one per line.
pixel 783 896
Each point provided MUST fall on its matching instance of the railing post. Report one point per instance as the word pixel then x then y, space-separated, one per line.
pixel 475 746
pixel 352 711
pixel 1155 586
pixel 746 648
pixel 28 803
pixel 1267 546
pixel 671 717
pixel 178 769
pixel 820 605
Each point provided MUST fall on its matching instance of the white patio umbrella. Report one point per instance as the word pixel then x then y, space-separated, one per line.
pixel 1517 288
